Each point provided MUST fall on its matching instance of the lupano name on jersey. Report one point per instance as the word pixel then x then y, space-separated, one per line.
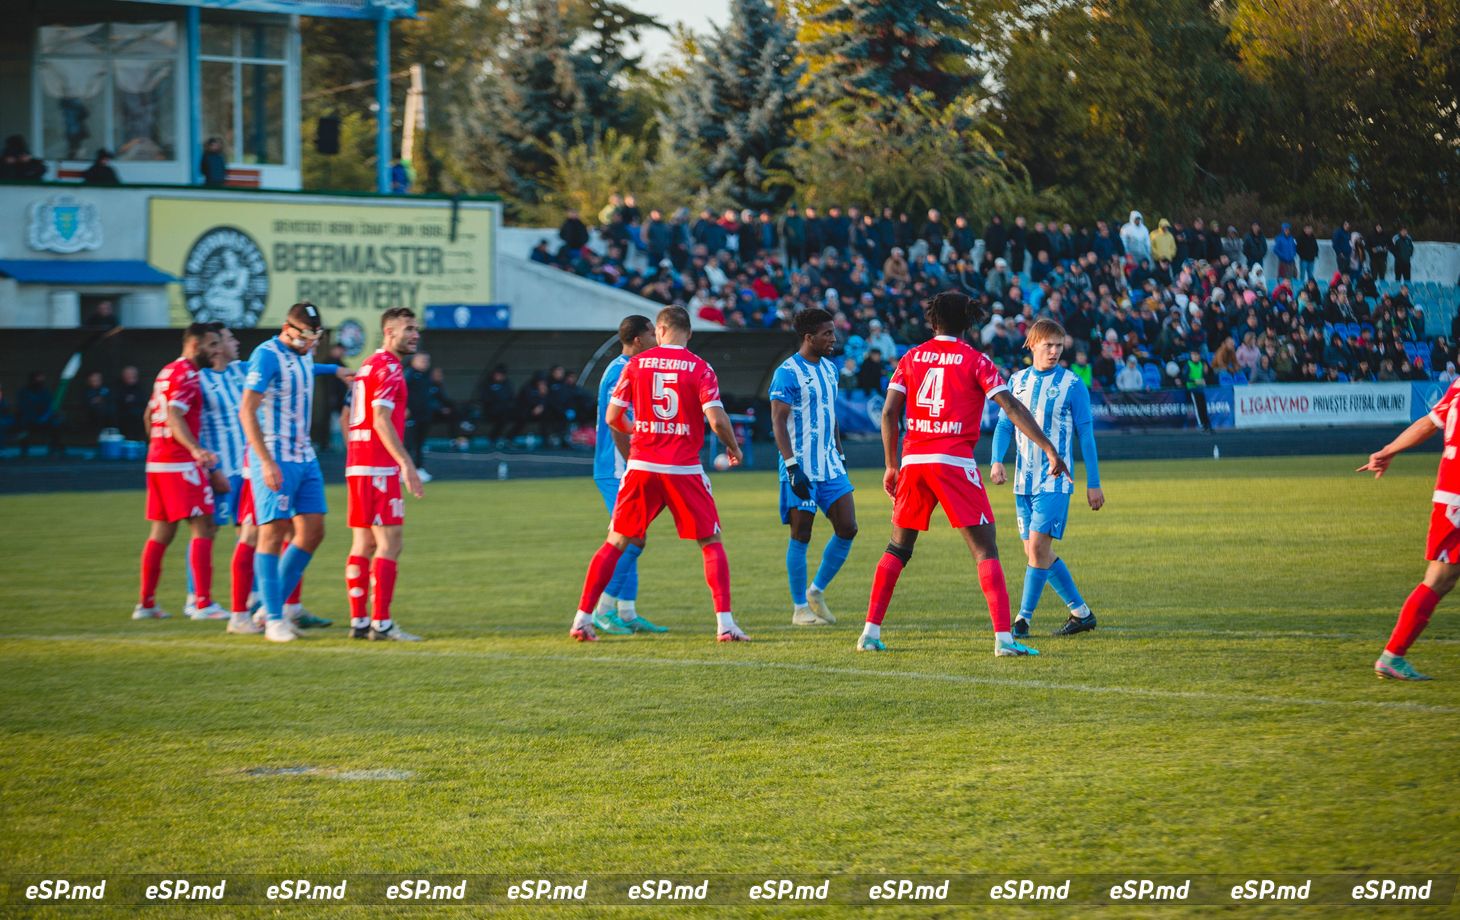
pixel 937 357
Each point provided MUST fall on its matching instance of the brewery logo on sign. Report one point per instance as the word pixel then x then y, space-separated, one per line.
pixel 351 337
pixel 225 279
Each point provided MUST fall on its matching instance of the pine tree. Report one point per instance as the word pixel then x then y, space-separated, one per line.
pixel 541 96
pixel 892 47
pixel 738 105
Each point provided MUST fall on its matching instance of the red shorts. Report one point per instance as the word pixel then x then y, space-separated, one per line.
pixel 642 495
pixel 375 501
pixel 176 495
pixel 1443 543
pixel 921 487
pixel 245 503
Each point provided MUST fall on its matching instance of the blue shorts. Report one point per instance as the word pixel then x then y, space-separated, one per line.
pixel 608 488
pixel 225 507
pixel 1042 512
pixel 823 496
pixel 303 492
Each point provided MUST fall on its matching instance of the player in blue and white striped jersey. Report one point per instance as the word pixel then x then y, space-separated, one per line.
pixel 617 613
pixel 284 475
pixel 813 471
pixel 1060 403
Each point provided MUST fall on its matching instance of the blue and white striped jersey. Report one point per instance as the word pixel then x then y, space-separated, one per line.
pixel 810 390
pixel 286 380
pixel 1060 404
pixel 222 431
pixel 608 463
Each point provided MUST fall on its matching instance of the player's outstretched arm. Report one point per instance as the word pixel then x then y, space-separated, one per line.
pixel 719 421
pixel 1412 436
pixel 1025 422
pixel 385 428
pixel 892 409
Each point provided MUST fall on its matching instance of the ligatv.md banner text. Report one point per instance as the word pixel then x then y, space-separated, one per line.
pixel 245 262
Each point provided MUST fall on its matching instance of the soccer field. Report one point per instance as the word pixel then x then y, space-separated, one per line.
pixel 1224 718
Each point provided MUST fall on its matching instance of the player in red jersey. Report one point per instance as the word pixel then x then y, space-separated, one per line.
pixel 942 384
pixel 672 393
pixel 1442 548
pixel 376 462
pixel 178 487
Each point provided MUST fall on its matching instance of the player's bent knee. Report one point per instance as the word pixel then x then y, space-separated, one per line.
pixel 901 551
pixel 849 532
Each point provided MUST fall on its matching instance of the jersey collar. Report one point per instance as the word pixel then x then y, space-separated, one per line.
pixel 680 347
pixel 945 338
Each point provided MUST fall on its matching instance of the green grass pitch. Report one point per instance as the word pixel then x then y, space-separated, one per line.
pixel 1223 718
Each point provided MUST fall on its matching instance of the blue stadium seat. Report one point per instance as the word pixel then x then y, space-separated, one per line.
pixel 1151 376
pixel 1240 379
pixel 1342 377
pixel 1367 327
pixel 1224 379
pixel 1353 330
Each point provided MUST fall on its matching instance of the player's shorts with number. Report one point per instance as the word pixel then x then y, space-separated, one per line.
pixel 921 487
pixel 374 497
pixel 1443 543
pixel 177 491
pixel 1042 512
pixel 301 492
pixel 226 507
pixel 643 494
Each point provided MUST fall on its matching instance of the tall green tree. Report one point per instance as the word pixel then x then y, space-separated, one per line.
pixel 737 107
pixel 890 48
pixel 1121 103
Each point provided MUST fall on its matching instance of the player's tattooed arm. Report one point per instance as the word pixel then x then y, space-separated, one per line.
pixel 1025 422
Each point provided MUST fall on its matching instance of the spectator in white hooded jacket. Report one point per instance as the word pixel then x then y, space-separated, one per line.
pixel 1136 237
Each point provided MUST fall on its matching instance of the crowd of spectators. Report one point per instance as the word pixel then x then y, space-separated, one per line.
pixel 1140 304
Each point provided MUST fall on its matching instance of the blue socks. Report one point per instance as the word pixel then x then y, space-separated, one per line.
pixel 624 585
pixel 1064 585
pixel 796 570
pixel 291 569
pixel 266 570
pixel 1034 579
pixel 832 557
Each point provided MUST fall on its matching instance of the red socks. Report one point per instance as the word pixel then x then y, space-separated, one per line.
pixel 1414 616
pixel 200 563
pixel 600 573
pixel 883 581
pixel 242 576
pixel 152 553
pixel 717 576
pixel 383 573
pixel 996 592
pixel 298 592
pixel 357 586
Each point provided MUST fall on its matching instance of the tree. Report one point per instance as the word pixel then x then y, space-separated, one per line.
pixel 738 105
pixel 911 154
pixel 890 48
pixel 1119 103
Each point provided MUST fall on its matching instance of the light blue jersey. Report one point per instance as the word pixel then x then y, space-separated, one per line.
pixel 285 378
pixel 608 463
pixel 810 390
pixel 1060 405
pixel 222 431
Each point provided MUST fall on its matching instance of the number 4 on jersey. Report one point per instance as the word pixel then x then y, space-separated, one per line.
pixel 930 393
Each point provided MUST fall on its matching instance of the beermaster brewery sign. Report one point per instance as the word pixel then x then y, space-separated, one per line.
pixel 247 261
pixel 226 279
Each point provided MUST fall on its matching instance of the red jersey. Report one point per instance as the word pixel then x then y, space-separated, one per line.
pixel 176 385
pixel 1446 414
pixel 946 382
pixel 381 381
pixel 669 388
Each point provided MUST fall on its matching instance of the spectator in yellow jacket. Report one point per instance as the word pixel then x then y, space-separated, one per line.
pixel 1163 242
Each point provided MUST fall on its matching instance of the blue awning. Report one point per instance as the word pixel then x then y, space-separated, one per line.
pixel 95 271
pixel 342 9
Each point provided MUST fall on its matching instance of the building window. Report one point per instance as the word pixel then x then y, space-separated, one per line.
pixel 110 85
pixel 243 90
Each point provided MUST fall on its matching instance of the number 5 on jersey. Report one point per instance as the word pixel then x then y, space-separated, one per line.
pixel 930 393
pixel 662 383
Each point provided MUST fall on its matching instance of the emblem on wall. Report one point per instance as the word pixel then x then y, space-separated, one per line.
pixel 64 223
pixel 226 279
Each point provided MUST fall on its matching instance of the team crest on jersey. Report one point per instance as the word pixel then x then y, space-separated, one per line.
pixel 226 278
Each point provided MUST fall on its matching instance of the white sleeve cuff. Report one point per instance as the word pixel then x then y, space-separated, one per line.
pixel 1001 388
pixel 618 402
pixel 713 404
pixel 383 402
pixel 898 387
pixel 1439 422
pixel 179 403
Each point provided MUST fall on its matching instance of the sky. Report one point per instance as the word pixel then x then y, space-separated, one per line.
pixel 697 14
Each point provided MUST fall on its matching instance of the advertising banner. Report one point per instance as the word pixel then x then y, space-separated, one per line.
pixel 245 262
pixel 1114 411
pixel 1294 405
pixel 1424 396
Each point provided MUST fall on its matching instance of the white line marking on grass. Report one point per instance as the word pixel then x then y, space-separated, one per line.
pixel 863 673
